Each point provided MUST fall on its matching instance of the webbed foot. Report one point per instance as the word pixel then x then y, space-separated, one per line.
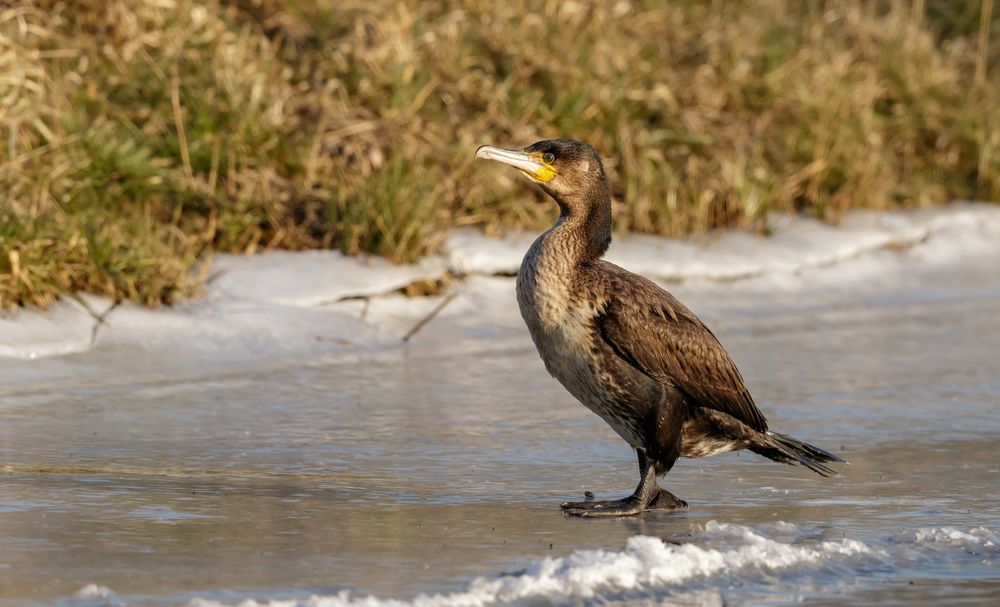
pixel 647 496
pixel 665 500
pixel 629 506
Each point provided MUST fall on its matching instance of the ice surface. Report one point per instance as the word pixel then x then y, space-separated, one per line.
pixel 249 448
pixel 308 301
pixel 93 595
pixel 65 328
pixel 977 541
pixel 651 569
pixel 237 325
pixel 312 278
pixel 469 252
pixel 796 246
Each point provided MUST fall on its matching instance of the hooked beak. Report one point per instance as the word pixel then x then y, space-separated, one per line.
pixel 529 163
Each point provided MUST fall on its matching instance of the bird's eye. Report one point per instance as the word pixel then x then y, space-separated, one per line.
pixel 549 157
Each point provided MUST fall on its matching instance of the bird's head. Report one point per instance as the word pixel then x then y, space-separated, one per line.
pixel 570 171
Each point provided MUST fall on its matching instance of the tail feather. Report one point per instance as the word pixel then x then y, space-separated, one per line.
pixel 787 450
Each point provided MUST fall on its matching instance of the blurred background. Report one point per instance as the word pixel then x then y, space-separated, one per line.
pixel 140 136
pixel 276 438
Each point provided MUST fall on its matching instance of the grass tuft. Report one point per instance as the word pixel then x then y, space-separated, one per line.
pixel 139 136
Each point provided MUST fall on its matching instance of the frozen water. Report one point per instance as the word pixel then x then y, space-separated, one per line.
pixel 280 445
pixel 304 301
pixel 311 278
pixel 649 568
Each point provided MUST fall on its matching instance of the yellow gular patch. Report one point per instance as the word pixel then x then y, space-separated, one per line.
pixel 546 172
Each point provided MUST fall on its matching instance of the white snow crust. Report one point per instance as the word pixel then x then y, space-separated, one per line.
pixel 322 301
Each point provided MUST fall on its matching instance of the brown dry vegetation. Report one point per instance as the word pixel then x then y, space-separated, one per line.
pixel 140 136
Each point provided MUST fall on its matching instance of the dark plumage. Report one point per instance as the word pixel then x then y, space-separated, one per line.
pixel 624 347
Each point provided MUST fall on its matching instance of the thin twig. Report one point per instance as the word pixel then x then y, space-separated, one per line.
pixel 99 317
pixel 312 160
pixel 101 321
pixel 916 12
pixel 175 101
pixel 89 309
pixel 430 316
pixel 985 21
pixel 352 129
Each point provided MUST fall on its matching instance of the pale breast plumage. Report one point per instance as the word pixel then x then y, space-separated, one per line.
pixel 562 328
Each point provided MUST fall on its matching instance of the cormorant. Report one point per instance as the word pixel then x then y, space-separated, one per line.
pixel 624 347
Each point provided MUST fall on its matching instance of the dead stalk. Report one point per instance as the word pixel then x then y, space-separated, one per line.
pixel 430 316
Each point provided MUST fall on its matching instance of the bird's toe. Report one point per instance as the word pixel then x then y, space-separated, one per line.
pixel 628 506
pixel 665 500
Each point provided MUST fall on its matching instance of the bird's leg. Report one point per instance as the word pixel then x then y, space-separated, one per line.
pixel 647 496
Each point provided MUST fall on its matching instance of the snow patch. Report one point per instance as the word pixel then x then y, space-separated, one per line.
pixel 725 554
pixel 469 252
pixel 312 278
pixel 238 325
pixel 308 302
pixel 797 245
pixel 977 541
pixel 93 595
pixel 64 328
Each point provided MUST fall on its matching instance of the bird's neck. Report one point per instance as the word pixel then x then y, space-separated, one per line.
pixel 584 226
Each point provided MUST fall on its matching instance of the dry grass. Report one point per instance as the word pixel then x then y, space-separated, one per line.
pixel 141 136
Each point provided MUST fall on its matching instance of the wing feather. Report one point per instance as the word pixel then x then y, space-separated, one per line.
pixel 659 336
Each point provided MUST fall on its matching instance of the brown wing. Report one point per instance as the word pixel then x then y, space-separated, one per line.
pixel 654 332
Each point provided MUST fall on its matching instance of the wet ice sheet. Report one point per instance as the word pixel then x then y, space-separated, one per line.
pixel 648 567
pixel 268 464
pixel 227 538
pixel 412 471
